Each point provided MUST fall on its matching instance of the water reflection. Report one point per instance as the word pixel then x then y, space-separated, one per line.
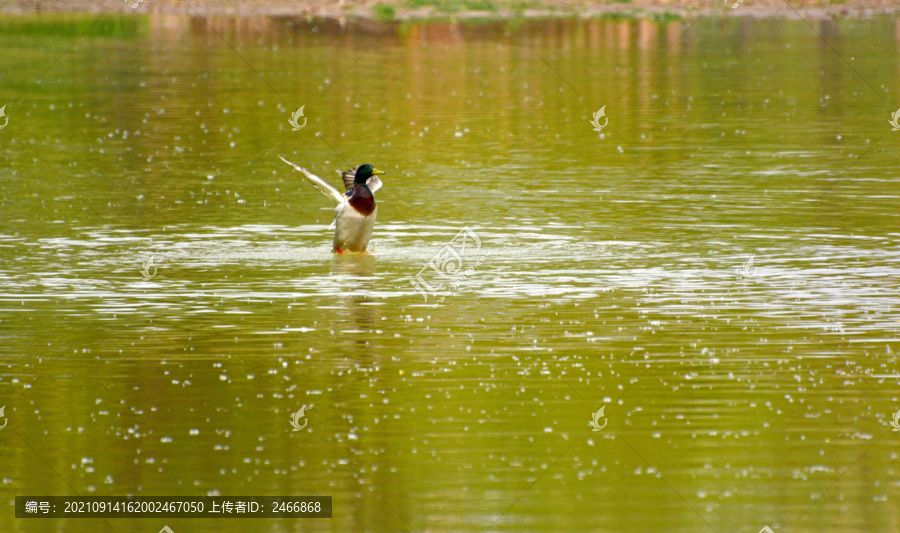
pixel 354 272
pixel 614 272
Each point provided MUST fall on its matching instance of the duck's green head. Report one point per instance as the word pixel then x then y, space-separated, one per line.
pixel 365 172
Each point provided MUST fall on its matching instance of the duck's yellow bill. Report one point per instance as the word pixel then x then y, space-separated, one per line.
pixel 376 171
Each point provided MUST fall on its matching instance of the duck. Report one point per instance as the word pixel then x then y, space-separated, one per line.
pixel 354 214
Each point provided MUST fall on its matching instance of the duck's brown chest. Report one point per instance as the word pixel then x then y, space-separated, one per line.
pixel 362 200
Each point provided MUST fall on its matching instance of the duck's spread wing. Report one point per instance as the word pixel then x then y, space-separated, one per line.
pixel 373 183
pixel 348 176
pixel 326 189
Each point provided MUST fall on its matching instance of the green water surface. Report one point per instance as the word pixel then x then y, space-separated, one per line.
pixel 717 269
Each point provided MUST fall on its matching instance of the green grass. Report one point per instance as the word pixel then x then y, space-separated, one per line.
pixel 452 6
pixel 617 15
pixel 665 16
pixel 441 9
pixel 523 5
pixel 384 12
pixel 457 6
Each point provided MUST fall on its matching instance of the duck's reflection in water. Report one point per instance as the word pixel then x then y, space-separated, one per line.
pixel 356 276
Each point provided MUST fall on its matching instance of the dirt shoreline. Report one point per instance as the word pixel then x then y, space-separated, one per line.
pixel 384 10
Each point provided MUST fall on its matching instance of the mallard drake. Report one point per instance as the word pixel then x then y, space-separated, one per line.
pixel 354 216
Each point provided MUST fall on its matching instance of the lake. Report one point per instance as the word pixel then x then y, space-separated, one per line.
pixel 716 269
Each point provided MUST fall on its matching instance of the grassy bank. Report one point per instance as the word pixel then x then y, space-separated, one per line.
pixel 413 9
